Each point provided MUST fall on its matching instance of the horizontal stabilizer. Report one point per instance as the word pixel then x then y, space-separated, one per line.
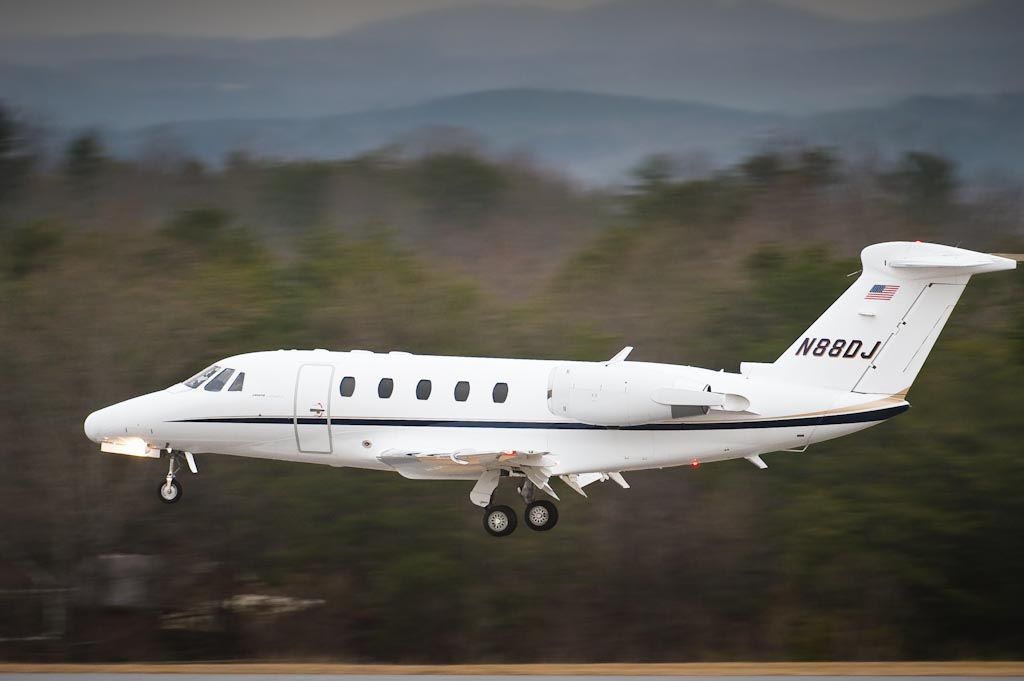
pixel 970 262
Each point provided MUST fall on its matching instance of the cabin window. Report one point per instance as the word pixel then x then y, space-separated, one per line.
pixel 423 389
pixel 500 392
pixel 198 379
pixel 462 391
pixel 385 388
pixel 348 386
pixel 217 382
pixel 237 385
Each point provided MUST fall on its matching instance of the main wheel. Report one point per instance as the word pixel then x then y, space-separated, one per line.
pixel 499 521
pixel 170 492
pixel 541 515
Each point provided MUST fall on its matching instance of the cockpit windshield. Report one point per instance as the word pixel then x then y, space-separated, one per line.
pixel 201 377
pixel 217 383
pixel 215 378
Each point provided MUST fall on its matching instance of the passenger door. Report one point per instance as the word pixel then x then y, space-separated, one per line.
pixel 313 408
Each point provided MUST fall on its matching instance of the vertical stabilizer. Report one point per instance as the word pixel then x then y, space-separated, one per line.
pixel 876 336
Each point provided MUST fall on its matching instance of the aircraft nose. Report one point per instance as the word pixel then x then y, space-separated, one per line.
pixel 94 425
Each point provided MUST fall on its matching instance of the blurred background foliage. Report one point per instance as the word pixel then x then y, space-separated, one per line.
pixel 906 541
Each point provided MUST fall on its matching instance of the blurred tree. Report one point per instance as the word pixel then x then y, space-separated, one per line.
pixel 84 159
pixel 763 169
pixel 192 170
pixel 817 167
pixel 29 247
pixel 925 183
pixel 199 226
pixel 16 156
pixel 458 187
pixel 295 193
pixel 653 174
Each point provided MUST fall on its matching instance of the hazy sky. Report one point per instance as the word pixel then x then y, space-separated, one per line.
pixel 270 18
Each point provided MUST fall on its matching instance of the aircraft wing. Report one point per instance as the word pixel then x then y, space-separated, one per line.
pixel 486 467
pixel 461 463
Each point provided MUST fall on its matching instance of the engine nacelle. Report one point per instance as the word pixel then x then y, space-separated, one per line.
pixel 628 394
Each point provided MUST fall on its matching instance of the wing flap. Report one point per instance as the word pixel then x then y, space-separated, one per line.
pixel 461 463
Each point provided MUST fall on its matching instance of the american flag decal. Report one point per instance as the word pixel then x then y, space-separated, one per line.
pixel 882 292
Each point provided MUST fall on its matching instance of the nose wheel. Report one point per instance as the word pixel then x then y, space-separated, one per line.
pixel 170 488
pixel 170 491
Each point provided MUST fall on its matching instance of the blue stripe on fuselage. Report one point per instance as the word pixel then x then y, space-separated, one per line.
pixel 824 420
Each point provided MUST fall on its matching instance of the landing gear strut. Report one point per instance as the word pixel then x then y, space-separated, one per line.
pixel 170 488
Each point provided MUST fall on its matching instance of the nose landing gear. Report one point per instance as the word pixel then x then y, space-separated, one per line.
pixel 170 488
pixel 170 491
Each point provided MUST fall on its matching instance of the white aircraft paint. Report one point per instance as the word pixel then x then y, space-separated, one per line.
pixel 535 420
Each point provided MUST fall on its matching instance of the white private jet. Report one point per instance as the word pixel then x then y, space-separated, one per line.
pixel 482 419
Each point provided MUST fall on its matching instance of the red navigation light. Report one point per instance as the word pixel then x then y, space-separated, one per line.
pixel 695 463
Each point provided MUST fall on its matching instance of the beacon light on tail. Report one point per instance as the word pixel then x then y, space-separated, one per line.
pixel 484 419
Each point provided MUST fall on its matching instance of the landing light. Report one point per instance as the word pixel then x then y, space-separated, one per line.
pixel 132 446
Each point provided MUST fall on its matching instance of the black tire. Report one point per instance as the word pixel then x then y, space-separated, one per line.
pixel 499 521
pixel 173 499
pixel 541 515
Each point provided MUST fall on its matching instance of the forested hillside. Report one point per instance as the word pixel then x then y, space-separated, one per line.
pixel 117 278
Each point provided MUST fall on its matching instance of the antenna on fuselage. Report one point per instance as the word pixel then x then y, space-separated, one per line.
pixel 621 355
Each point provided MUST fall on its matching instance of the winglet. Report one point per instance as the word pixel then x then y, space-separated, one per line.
pixel 621 355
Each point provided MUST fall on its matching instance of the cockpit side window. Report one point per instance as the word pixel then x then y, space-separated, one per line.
pixel 218 381
pixel 239 381
pixel 198 379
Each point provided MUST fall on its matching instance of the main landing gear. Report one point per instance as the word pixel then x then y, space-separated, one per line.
pixel 500 521
pixel 170 488
pixel 541 516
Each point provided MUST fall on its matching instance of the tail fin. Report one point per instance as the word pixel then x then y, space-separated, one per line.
pixel 876 336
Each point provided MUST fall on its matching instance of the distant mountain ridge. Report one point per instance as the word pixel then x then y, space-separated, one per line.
pixel 739 53
pixel 597 138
